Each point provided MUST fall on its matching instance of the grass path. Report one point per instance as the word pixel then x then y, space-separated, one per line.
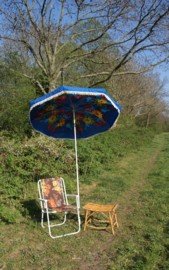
pixel 134 171
pixel 139 165
pixel 139 184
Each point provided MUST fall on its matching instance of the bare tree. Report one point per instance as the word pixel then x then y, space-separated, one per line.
pixel 67 34
pixel 141 95
pixel 153 103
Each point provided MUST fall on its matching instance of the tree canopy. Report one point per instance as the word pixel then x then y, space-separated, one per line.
pixel 96 38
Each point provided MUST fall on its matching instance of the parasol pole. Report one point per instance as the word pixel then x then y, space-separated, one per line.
pixel 77 171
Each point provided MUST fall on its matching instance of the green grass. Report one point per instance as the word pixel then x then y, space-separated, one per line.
pixel 138 182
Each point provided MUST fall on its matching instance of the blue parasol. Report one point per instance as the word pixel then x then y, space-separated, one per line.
pixel 74 113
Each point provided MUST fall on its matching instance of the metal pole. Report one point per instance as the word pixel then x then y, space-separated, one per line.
pixel 77 171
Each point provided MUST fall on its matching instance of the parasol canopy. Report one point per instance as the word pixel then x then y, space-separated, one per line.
pixel 95 112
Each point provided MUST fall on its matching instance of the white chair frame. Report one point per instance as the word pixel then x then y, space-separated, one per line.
pixel 47 211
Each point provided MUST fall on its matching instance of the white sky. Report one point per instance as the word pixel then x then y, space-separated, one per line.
pixel 164 75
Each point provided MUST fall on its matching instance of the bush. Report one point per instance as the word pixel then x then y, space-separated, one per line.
pixel 27 161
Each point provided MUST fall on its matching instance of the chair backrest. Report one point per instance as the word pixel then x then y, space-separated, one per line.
pixel 52 191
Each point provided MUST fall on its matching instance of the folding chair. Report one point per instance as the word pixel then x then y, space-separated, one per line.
pixel 53 199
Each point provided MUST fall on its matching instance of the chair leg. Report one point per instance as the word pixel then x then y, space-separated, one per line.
pixel 49 226
pixel 60 223
pixel 48 223
pixel 42 215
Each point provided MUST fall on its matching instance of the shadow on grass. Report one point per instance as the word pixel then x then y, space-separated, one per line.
pixel 32 208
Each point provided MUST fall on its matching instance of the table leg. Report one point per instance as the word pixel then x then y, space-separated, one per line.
pixel 85 220
pixel 91 213
pixel 115 218
pixel 111 222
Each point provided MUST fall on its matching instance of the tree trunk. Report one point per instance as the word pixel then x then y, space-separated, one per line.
pixel 148 120
pixel 52 86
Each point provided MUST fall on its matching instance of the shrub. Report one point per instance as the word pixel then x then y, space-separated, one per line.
pixel 27 161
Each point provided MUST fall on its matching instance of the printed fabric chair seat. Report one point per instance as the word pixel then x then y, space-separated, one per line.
pixel 65 208
pixel 53 199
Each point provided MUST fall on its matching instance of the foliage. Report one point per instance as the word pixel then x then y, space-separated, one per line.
pixel 138 183
pixel 15 94
pixel 158 125
pixel 26 161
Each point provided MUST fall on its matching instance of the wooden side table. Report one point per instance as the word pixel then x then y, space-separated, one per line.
pixel 103 209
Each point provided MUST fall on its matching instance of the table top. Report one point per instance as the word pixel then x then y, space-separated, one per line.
pixel 99 207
